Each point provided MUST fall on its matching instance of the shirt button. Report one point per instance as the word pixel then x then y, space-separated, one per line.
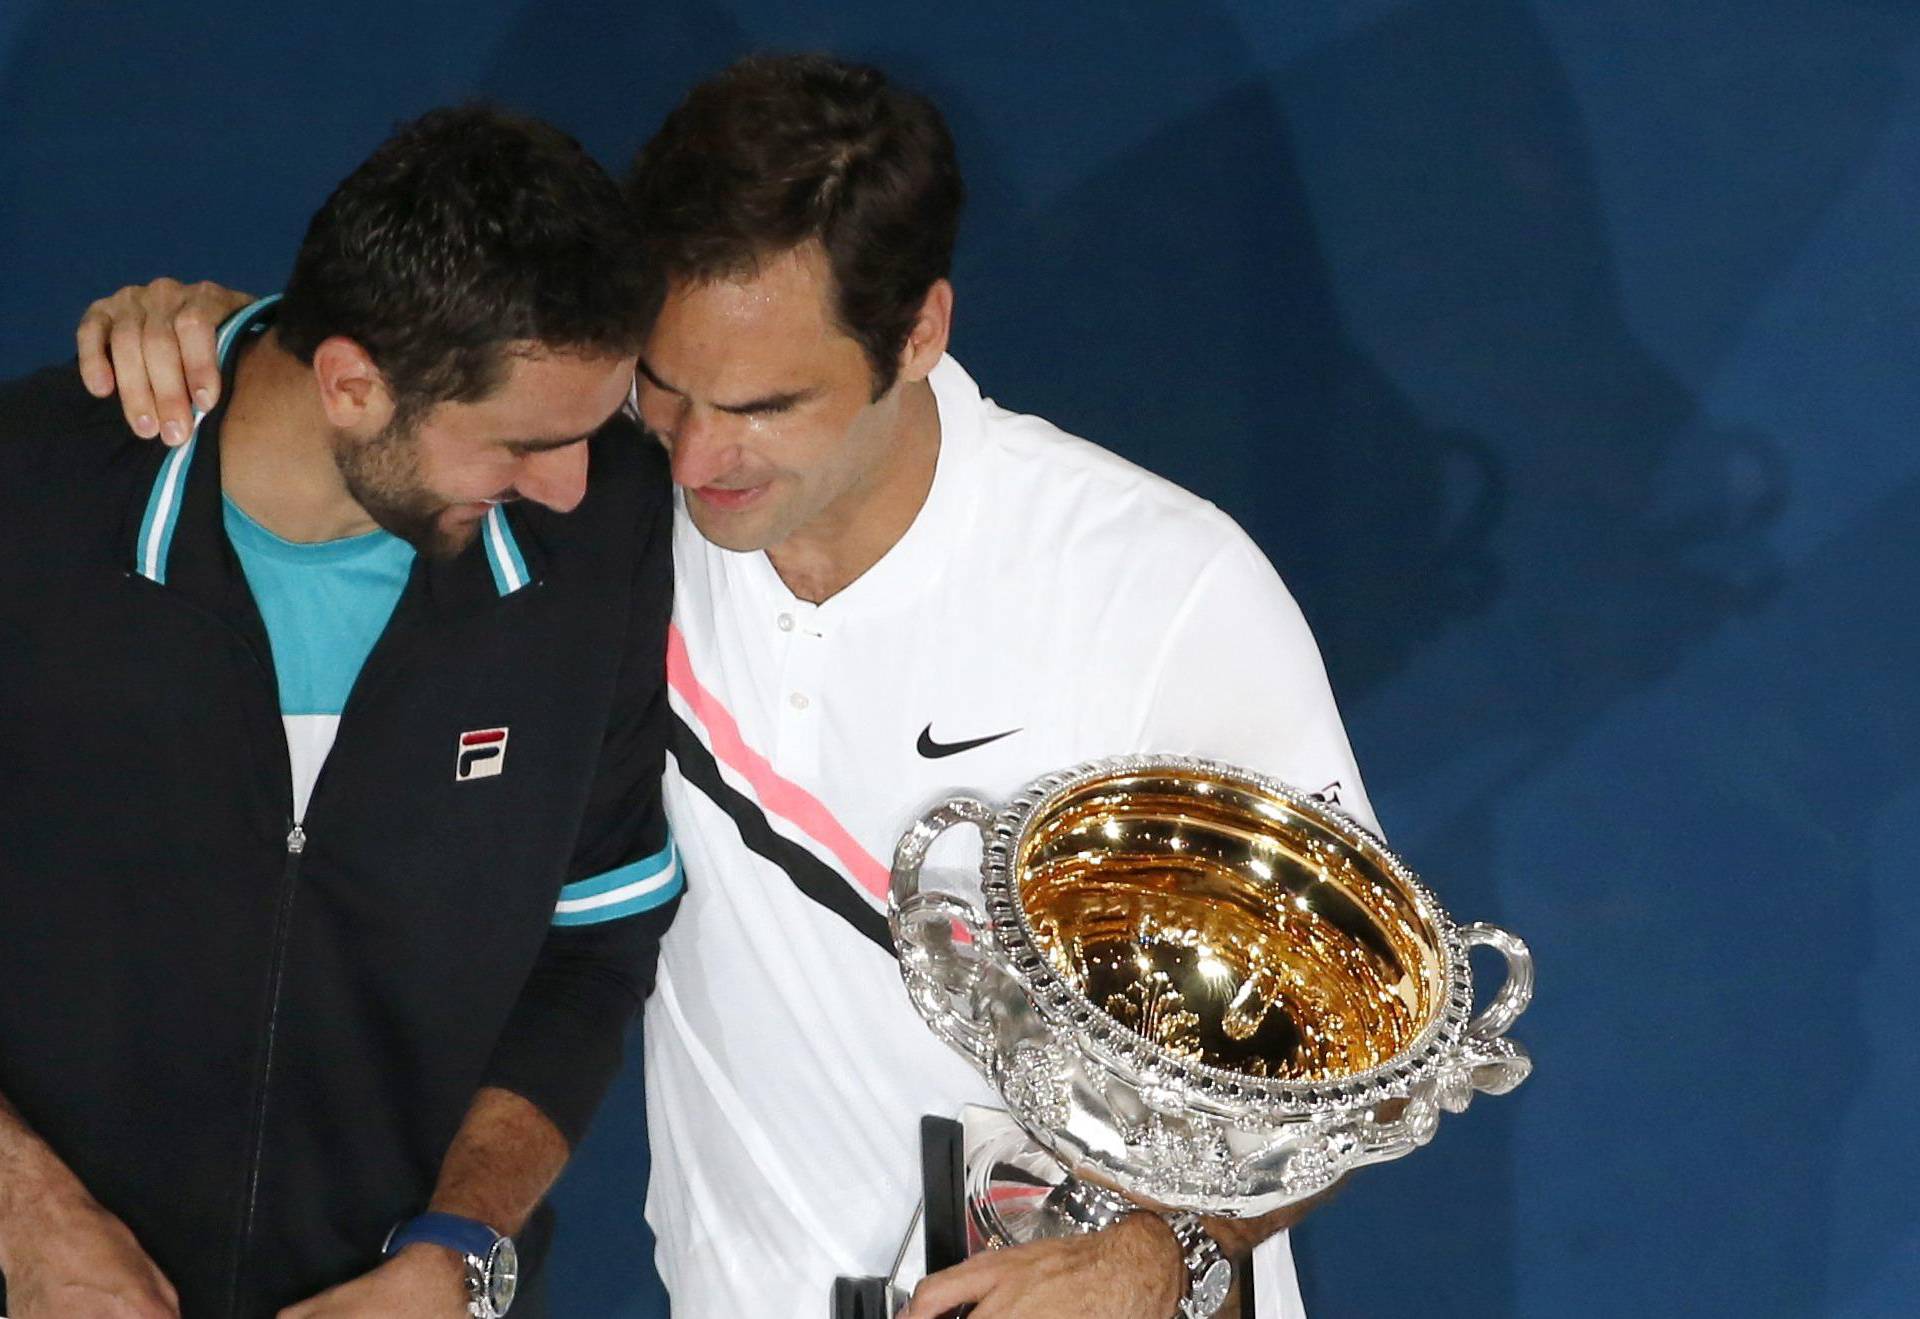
pixel 786 622
pixel 797 701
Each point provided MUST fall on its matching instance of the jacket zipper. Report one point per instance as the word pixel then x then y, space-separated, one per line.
pixel 290 876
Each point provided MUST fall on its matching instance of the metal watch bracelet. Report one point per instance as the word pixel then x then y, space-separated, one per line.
pixel 1209 1271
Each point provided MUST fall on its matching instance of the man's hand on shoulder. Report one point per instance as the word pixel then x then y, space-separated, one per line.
pixel 421 1282
pixel 77 1261
pixel 1132 1270
pixel 154 343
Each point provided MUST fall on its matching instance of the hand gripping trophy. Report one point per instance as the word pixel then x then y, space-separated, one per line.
pixel 1194 987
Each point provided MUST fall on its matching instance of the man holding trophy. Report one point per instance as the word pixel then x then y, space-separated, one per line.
pixel 888 589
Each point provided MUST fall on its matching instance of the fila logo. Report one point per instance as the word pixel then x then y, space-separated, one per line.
pixel 482 753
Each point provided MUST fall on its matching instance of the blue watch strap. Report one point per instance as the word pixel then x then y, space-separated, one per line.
pixel 469 1236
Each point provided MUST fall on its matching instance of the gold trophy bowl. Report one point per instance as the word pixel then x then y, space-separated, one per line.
pixel 1230 926
pixel 1199 986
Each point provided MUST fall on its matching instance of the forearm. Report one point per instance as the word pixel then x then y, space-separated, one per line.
pixel 1159 1253
pixel 505 1157
pixel 1134 1267
pixel 33 1181
pixel 502 1160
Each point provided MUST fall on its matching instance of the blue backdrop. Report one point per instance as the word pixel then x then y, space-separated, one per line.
pixel 1563 356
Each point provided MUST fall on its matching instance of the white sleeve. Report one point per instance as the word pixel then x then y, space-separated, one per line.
pixel 1239 679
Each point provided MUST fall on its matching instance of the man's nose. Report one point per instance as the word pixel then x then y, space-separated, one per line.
pixel 702 447
pixel 556 478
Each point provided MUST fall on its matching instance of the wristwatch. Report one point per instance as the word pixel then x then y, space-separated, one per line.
pixel 493 1266
pixel 1209 1271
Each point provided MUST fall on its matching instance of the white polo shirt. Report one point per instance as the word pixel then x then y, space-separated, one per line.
pixel 1051 597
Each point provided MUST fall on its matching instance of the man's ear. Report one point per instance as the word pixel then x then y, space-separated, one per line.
pixel 353 393
pixel 927 340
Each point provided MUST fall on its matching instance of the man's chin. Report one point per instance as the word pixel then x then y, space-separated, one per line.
pixel 436 535
pixel 742 533
pixel 448 540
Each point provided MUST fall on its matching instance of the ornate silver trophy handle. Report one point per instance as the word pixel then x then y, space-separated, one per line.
pixel 1489 1062
pixel 940 938
pixel 1514 996
pixel 1483 1060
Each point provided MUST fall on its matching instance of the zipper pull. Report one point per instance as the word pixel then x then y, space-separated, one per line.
pixel 297 840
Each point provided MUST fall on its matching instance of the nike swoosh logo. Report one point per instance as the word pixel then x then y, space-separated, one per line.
pixel 933 750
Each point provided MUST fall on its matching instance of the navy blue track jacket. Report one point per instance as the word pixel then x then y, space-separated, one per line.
pixel 251 1044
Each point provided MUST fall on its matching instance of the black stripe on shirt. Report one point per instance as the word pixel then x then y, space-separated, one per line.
pixel 809 874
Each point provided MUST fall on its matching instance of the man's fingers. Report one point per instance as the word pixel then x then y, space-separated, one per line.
pixel 155 344
pixel 90 340
pixel 166 379
pixel 968 1281
pixel 125 346
pixel 195 327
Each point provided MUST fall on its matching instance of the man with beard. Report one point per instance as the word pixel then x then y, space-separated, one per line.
pixel 886 587
pixel 335 864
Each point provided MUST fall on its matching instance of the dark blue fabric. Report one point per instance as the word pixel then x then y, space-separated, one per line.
pixel 1563 356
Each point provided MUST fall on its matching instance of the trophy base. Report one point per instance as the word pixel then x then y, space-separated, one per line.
pixel 985 1186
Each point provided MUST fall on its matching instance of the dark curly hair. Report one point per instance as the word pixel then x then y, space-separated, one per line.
pixel 779 150
pixel 469 230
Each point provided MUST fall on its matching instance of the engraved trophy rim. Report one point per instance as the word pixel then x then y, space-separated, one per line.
pixel 1119 1048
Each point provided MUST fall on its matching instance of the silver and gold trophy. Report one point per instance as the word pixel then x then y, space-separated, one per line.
pixel 1193 987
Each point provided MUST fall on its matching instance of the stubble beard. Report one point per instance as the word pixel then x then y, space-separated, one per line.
pixel 383 476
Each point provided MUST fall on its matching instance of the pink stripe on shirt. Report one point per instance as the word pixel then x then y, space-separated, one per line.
pixel 777 795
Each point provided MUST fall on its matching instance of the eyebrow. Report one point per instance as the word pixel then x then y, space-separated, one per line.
pixel 768 403
pixel 543 445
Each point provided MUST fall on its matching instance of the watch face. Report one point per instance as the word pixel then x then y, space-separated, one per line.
pixel 503 1275
pixel 1211 1287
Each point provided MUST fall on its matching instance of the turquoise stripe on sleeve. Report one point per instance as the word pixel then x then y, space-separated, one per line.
pixel 632 872
pixel 624 891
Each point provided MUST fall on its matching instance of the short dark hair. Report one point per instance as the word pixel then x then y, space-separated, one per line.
pixel 466 231
pixel 782 149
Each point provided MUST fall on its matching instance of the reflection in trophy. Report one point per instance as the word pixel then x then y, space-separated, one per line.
pixel 1193 986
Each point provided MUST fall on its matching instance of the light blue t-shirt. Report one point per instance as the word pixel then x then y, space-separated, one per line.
pixel 325 605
